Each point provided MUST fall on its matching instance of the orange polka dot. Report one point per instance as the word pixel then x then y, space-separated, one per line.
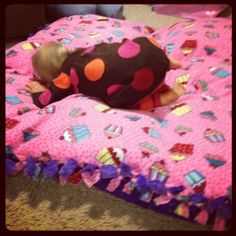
pixel 147 104
pixel 153 42
pixel 62 81
pixel 95 69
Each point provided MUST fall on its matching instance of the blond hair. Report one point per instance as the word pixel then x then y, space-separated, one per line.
pixel 48 59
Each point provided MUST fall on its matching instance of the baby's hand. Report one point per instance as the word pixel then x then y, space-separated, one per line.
pixel 34 87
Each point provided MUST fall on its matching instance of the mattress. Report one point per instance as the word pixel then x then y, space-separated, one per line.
pixel 176 160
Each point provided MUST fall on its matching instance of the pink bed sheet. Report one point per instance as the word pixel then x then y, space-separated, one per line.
pixel 182 151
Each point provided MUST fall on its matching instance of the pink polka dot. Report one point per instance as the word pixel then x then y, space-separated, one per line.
pixel 88 50
pixel 114 88
pixel 129 49
pixel 143 79
pixel 45 97
pixel 74 79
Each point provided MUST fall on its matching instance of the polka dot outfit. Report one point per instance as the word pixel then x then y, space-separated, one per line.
pixel 120 74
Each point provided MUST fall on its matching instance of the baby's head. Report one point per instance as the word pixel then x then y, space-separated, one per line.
pixel 48 59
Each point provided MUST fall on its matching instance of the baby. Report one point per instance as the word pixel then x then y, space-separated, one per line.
pixel 129 74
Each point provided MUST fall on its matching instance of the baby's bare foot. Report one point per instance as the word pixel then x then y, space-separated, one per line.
pixel 179 89
pixel 174 64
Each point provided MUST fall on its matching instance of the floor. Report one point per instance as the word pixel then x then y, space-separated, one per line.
pixel 132 12
pixel 11 42
pixel 32 205
pixel 143 13
pixel 139 13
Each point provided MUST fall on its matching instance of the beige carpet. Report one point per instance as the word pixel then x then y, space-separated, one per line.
pixel 142 13
pixel 48 206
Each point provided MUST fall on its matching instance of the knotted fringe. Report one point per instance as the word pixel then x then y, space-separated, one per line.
pixel 149 191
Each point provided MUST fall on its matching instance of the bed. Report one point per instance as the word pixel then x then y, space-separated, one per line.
pixel 176 160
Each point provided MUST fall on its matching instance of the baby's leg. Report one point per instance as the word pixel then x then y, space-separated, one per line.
pixel 162 98
pixel 165 95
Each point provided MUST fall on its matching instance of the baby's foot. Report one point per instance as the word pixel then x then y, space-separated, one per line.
pixel 174 64
pixel 179 89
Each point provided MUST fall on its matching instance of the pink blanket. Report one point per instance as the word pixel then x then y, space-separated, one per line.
pixel 181 151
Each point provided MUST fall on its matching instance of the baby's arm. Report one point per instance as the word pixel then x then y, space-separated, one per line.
pixel 58 89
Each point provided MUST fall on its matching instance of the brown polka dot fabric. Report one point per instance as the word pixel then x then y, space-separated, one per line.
pixel 120 74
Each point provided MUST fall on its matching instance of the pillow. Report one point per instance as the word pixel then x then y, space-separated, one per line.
pixel 110 10
pixel 189 10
